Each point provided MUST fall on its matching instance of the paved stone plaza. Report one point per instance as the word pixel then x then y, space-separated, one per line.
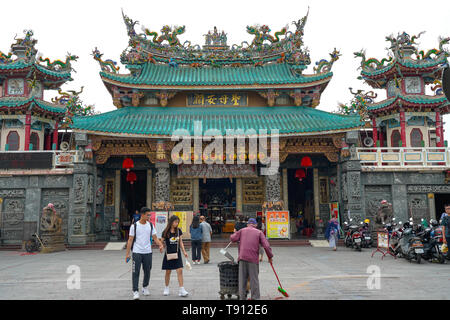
pixel 305 272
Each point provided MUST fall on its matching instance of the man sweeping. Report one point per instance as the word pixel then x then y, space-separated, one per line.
pixel 250 238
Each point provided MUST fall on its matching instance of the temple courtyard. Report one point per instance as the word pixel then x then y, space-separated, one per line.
pixel 305 273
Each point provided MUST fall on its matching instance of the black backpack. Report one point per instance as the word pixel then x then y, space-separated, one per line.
pixel 135 233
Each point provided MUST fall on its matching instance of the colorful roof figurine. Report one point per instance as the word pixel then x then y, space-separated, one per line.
pixel 160 60
pixel 404 59
pixel 24 59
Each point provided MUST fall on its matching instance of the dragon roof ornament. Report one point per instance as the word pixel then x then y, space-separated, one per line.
pixel 149 46
pixel 24 51
pixel 403 48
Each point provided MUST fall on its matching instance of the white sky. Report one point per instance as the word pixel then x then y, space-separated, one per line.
pixel 79 26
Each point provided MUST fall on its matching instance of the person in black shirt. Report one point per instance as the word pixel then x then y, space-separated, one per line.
pixel 174 245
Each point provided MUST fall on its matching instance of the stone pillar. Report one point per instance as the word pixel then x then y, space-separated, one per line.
pixel 117 181
pixel 196 195
pixel 400 201
pixel 351 180
pixel 285 188
pixel 80 229
pixel 432 206
pixel 273 188
pixel 162 182
pixel 239 206
pixel 32 208
pixel 149 188
pixel 316 194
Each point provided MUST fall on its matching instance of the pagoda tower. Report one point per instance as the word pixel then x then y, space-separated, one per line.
pixel 27 121
pixel 408 117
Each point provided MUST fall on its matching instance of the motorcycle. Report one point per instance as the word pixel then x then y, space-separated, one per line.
pixel 366 238
pixel 411 246
pixel 432 244
pixel 352 235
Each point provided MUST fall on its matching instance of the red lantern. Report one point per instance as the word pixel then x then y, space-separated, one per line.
pixel 131 177
pixel 306 162
pixel 128 164
pixel 300 174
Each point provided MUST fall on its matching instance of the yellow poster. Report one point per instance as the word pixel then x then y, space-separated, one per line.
pixel 182 216
pixel 277 224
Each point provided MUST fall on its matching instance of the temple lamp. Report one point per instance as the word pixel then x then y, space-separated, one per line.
pixel 128 164
pixel 131 177
pixel 300 174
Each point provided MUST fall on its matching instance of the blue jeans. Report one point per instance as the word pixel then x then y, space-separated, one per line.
pixel 196 250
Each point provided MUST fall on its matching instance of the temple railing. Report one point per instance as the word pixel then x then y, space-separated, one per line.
pixel 39 159
pixel 414 158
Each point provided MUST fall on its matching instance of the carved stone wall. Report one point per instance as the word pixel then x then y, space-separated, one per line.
pixel 418 207
pixel 13 212
pixel 162 184
pixel 273 187
pixel 372 198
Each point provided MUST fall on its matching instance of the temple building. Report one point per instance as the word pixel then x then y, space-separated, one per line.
pixel 182 137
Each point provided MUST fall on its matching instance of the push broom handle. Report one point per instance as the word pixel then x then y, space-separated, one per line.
pixel 275 274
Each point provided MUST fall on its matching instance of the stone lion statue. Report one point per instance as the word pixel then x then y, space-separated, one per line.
pixel 50 220
pixel 385 213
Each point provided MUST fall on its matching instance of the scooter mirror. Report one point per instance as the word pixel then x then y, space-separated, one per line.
pixel 399 222
pixel 393 218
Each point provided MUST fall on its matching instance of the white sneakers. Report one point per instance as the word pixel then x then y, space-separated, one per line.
pixel 183 292
pixel 135 295
pixel 166 291
pixel 145 291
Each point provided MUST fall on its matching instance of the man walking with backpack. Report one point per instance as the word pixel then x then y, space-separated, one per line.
pixel 140 243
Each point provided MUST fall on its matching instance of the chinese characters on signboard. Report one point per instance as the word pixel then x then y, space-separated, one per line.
pixel 217 99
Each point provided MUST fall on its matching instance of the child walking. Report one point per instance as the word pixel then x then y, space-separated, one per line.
pixel 172 238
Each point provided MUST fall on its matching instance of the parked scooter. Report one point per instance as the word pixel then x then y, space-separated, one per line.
pixel 395 232
pixel 432 243
pixel 352 235
pixel 411 246
pixel 366 238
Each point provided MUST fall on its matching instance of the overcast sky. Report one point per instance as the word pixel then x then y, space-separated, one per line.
pixel 79 26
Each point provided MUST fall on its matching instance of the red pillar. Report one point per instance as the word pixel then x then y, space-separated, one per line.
pixel 375 132
pixel 55 137
pixel 403 128
pixel 381 139
pixel 48 142
pixel 27 131
pixel 439 131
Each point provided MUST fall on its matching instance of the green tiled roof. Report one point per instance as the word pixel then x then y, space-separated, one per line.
pixel 163 74
pixel 417 99
pixel 12 102
pixel 162 121
pixel 416 64
pixel 21 64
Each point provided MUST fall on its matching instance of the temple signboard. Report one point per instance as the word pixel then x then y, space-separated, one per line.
pixel 26 160
pixel 217 99
pixel 216 171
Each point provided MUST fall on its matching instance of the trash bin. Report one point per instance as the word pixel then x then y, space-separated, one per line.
pixel 229 279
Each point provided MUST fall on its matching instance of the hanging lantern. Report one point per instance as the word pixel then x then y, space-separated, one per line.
pixel 131 177
pixel 128 164
pixel 300 174
pixel 306 162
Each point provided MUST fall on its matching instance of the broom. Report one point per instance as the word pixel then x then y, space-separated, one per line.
pixel 280 288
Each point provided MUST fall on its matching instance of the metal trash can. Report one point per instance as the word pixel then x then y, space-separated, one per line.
pixel 229 279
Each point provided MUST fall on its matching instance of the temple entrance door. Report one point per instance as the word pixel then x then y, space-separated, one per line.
pixel 440 200
pixel 301 201
pixel 133 197
pixel 218 203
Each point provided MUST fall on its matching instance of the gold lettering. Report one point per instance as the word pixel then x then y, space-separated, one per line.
pixel 223 99
pixel 199 99
pixel 235 99
pixel 211 99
